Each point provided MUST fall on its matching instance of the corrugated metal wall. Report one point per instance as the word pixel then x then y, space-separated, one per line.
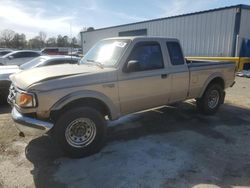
pixel 245 24
pixel 204 34
pixel 244 32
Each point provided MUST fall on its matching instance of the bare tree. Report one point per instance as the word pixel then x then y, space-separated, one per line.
pixel 90 29
pixel 19 41
pixel 42 35
pixel 12 39
pixel 84 29
pixel 36 43
pixel 79 39
pixel 60 41
pixel 51 42
pixel 6 37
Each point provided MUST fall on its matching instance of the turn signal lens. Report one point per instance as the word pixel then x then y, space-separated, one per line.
pixel 24 100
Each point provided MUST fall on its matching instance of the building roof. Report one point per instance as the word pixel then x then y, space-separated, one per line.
pixel 170 17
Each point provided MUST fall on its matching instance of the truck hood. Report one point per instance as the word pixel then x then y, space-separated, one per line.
pixel 5 71
pixel 26 78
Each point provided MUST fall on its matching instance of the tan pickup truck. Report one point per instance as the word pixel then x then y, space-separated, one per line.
pixel 118 76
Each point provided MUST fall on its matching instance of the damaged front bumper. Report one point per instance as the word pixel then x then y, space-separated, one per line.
pixel 30 126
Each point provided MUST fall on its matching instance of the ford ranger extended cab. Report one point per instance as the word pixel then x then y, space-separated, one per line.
pixel 117 76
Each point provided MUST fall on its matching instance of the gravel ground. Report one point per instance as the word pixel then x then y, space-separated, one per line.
pixel 168 147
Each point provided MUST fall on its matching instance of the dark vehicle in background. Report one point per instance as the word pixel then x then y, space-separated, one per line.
pixel 49 60
pixel 76 52
pixel 18 57
pixel 6 71
pixel 4 52
pixel 55 51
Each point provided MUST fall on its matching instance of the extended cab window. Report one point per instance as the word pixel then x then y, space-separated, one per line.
pixel 148 55
pixel 175 53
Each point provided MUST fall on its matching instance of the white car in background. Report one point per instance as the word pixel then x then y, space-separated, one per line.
pixel 4 52
pixel 6 71
pixel 18 57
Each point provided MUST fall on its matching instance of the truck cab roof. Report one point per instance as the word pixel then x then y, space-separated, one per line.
pixel 143 38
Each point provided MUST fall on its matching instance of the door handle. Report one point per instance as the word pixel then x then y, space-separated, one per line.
pixel 163 76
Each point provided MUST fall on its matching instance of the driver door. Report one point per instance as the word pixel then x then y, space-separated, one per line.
pixel 148 86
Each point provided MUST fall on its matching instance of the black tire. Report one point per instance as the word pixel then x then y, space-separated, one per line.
pixel 203 104
pixel 67 119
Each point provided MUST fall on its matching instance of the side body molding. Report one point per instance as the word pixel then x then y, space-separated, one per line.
pixel 114 111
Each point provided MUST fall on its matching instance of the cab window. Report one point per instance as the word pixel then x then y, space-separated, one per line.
pixel 148 55
pixel 175 53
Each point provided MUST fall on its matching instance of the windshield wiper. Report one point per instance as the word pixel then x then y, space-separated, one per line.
pixel 95 63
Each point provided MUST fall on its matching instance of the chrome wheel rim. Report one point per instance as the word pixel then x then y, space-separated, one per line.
pixel 213 99
pixel 80 132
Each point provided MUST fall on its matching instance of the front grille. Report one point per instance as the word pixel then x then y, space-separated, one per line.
pixel 12 94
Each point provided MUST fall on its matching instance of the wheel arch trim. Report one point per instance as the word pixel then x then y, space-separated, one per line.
pixel 209 80
pixel 114 111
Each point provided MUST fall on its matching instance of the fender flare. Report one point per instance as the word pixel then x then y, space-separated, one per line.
pixel 114 111
pixel 209 79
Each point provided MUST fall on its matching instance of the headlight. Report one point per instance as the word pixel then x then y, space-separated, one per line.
pixel 25 100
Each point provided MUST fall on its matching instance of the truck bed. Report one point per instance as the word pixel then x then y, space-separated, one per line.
pixel 201 71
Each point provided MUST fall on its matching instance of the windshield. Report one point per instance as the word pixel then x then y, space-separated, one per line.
pixel 106 52
pixel 33 63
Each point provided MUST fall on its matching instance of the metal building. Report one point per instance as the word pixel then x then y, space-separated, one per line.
pixel 216 32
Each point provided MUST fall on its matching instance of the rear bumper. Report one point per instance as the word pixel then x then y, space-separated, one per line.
pixel 30 126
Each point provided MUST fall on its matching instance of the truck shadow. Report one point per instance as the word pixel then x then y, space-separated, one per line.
pixel 183 116
pixel 5 108
pixel 46 156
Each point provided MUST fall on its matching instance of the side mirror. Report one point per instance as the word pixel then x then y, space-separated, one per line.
pixel 10 57
pixel 132 66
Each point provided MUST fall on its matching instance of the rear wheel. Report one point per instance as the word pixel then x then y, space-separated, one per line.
pixel 211 100
pixel 80 132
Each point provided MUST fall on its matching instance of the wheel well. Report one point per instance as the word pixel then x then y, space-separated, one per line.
pixel 90 102
pixel 218 80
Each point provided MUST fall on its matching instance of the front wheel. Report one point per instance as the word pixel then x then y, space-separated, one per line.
pixel 80 132
pixel 211 100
